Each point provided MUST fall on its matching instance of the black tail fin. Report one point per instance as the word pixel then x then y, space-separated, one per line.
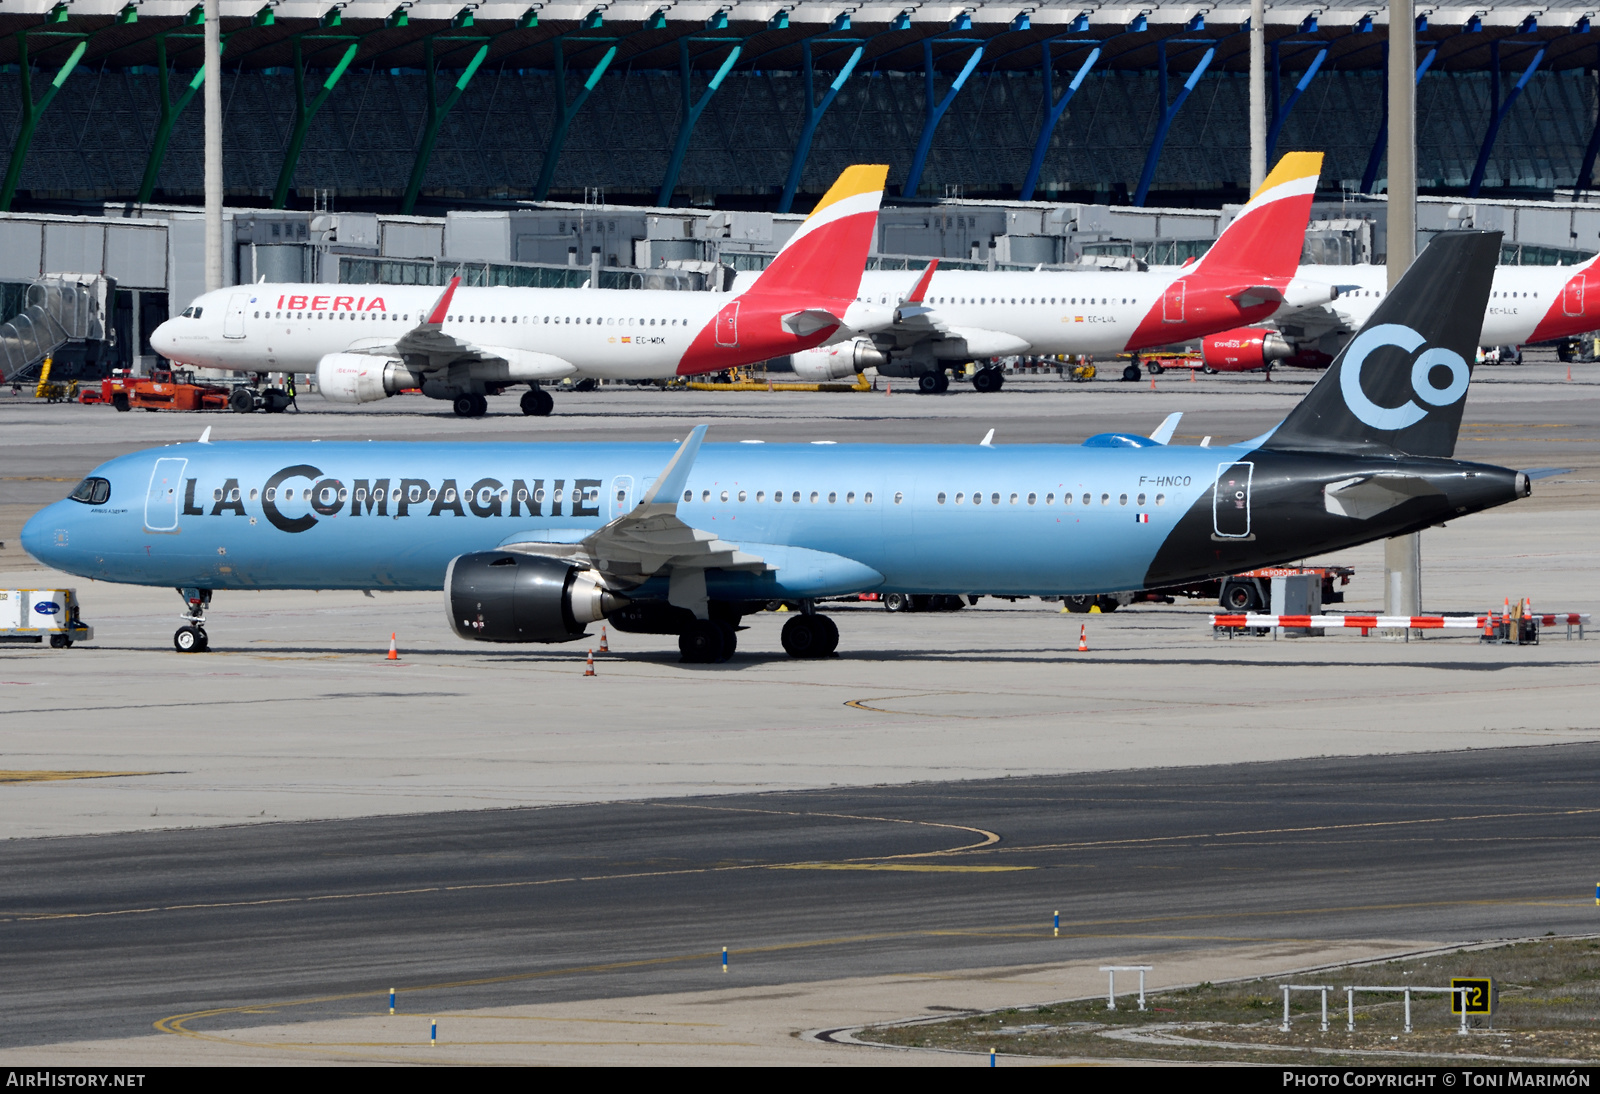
pixel 1401 383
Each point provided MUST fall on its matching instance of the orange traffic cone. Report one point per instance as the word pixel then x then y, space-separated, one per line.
pixel 588 669
pixel 1191 375
pixel 394 654
pixel 1152 383
pixel 1569 372
pixel 605 647
pixel 1083 638
pixel 889 388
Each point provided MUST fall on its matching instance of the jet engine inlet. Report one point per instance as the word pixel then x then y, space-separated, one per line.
pixel 502 596
pixel 362 378
pixel 837 362
pixel 1244 349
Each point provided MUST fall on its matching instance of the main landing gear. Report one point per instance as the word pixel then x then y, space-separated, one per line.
pixel 713 641
pixel 988 379
pixel 191 638
pixel 471 406
pixel 708 642
pixel 810 635
pixel 933 383
pixel 537 403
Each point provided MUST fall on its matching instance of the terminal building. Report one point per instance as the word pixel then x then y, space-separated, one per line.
pixel 665 143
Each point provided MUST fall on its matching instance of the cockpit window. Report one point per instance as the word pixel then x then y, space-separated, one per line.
pixel 92 492
pixel 191 313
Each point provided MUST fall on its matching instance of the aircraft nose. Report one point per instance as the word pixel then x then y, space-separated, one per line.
pixel 38 534
pixel 162 341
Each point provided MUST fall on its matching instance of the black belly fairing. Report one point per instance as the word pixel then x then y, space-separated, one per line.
pixel 1289 519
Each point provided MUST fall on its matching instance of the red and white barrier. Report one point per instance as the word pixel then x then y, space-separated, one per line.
pixel 1397 622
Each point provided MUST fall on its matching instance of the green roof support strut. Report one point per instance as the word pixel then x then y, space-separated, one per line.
pixel 691 114
pixel 32 111
pixel 304 112
pixel 436 116
pixel 565 112
pixel 169 117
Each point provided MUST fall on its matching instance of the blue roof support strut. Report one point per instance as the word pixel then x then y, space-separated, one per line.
pixel 814 112
pixel 1167 114
pixel 1282 114
pixel 934 112
pixel 565 112
pixel 1380 145
pixel 1052 115
pixel 1502 109
pixel 1586 171
pixel 692 110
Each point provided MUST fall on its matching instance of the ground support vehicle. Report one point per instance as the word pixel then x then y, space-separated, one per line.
pixel 32 616
pixel 178 390
pixel 1157 363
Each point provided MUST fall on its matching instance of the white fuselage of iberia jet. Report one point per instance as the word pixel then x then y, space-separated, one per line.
pixel 368 342
pixel 1248 276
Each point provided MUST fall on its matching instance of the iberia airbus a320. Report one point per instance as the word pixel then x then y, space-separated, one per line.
pixel 950 317
pixel 368 342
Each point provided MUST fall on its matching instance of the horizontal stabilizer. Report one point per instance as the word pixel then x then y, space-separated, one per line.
pixel 1163 432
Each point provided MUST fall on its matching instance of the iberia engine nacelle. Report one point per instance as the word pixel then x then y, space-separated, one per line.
pixel 363 378
pixel 838 361
pixel 1244 349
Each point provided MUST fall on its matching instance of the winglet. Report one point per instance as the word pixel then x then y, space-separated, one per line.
pixel 1163 432
pixel 988 440
pixel 442 308
pixel 921 286
pixel 670 482
pixel 205 435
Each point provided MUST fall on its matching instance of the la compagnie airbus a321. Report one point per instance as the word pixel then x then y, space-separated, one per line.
pixel 368 342
pixel 534 542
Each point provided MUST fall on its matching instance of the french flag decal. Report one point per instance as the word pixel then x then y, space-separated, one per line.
pixel 1143 518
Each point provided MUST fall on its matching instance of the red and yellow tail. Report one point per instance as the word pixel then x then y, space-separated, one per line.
pixel 827 254
pixel 1268 236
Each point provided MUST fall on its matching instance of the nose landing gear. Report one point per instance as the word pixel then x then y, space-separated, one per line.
pixel 192 638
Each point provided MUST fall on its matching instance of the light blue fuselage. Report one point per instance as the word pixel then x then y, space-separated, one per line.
pixel 173 518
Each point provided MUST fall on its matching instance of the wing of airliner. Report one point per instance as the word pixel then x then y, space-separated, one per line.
pixel 429 347
pixel 650 539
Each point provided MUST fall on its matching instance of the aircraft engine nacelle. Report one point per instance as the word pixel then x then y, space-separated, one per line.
pixel 837 362
pixel 363 378
pixel 1244 349
pixel 503 596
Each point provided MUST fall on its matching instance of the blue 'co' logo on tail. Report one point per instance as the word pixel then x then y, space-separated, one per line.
pixel 1408 413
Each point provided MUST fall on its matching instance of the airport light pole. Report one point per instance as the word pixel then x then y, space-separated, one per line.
pixel 213 150
pixel 1402 555
pixel 1258 94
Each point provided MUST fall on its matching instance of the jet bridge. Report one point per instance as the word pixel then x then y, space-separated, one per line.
pixel 60 308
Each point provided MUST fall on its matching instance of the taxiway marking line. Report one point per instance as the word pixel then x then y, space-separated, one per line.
pixel 58 776
pixel 989 838
pixel 869 862
pixel 1351 826
pixel 901 866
